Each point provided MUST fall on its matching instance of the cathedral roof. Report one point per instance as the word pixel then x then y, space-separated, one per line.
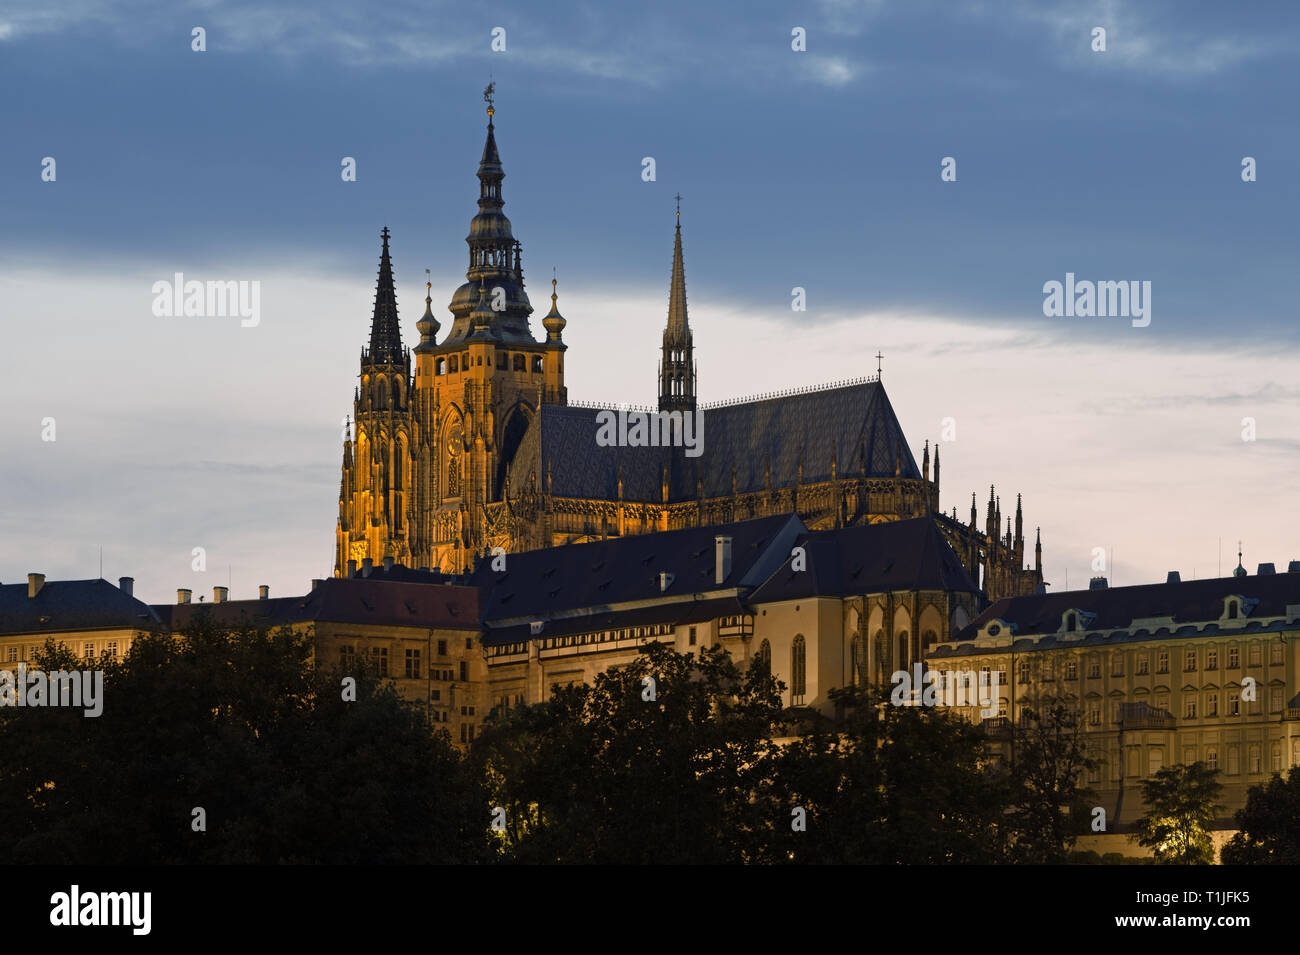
pixel 854 424
pixel 869 558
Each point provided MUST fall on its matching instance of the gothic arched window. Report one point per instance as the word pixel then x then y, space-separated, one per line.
pixel 537 363
pixel 857 662
pixel 798 671
pixel 764 656
pixel 520 364
pixel 455 363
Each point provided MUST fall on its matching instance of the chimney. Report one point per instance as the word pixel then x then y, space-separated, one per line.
pixel 1265 569
pixel 1293 567
pixel 1174 578
pixel 388 564
pixel 665 581
pixel 263 591
pixel 126 585
pixel 721 559
pixel 367 565
pixel 183 595
pixel 1097 583
pixel 219 594
pixel 34 584
pixel 352 568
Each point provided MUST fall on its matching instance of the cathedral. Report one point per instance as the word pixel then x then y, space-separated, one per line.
pixel 478 446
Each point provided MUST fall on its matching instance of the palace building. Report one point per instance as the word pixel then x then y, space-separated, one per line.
pixel 478 447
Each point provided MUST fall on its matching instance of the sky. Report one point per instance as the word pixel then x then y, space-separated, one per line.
pixel 1161 444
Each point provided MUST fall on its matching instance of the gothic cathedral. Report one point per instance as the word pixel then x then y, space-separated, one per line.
pixel 481 449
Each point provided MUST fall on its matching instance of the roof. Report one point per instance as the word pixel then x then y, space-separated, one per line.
pixel 346 600
pixel 64 605
pixel 602 574
pixel 854 425
pixel 1190 601
pixel 869 558
pixel 674 615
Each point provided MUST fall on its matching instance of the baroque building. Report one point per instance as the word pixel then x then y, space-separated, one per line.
pixel 478 446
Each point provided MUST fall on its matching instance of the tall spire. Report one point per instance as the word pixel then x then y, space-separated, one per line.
pixel 427 325
pixel 677 365
pixel 495 257
pixel 385 332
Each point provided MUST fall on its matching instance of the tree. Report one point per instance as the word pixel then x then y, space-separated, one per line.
pixel 1049 806
pixel 1269 823
pixel 1181 803
pixel 237 723
pixel 886 785
pixel 654 762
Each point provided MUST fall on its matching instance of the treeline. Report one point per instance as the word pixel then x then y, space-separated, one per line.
pixel 221 746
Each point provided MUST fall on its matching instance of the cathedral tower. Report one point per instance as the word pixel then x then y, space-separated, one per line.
pixel 677 364
pixel 374 491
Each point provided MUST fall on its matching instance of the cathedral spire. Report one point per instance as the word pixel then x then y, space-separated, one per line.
pixel 677 366
pixel 385 332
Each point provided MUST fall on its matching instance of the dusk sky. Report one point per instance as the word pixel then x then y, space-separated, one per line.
pixel 817 169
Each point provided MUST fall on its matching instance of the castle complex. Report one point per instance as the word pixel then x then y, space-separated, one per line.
pixel 478 446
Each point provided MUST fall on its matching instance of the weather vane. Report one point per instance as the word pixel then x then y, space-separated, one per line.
pixel 489 95
pixel 678 197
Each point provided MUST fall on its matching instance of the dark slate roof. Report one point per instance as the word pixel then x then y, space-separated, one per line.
pixel 344 600
pixel 677 614
pixel 851 423
pixel 870 558
pixel 540 583
pixel 1191 601
pixel 64 605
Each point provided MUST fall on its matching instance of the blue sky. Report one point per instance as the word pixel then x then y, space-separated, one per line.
pixel 817 169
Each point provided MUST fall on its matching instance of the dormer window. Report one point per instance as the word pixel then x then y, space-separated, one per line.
pixel 1233 609
pixel 1071 621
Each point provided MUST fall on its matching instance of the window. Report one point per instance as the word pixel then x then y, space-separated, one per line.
pixel 464 671
pixel 13 654
pixel 348 656
pixel 1211 704
pixel 798 674
pixel 379 655
pixel 1189 708
pixel 413 664
pixel 1189 661
pixel 89 651
pixel 1256 656
pixel 469 643
pixel 1155 760
pixel 1212 659
pixel 1189 755
pixel 1094 713
pixel 1275 757
pixel 435 695
pixel 1023 676
pixel 1162 701
pixel 1071 622
pixel 110 650
pixel 1234 705
pixel 1094 669
pixel 1232 610
pixel 1143 664
pixel 1275 700
pixel 442 648
pixel 1275 654
pixel 1071 669
pixel 1252 759
pixel 1234 658
pixel 1212 757
pixel 1135 761
pixel 1162 661
pixel 764 655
